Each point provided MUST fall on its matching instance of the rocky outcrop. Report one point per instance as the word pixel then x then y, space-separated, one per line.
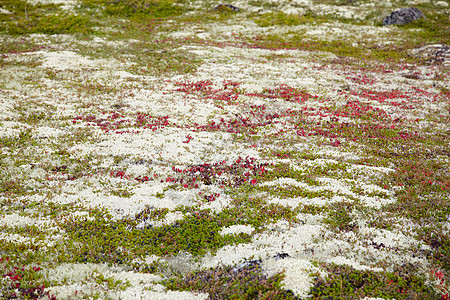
pixel 226 8
pixel 403 16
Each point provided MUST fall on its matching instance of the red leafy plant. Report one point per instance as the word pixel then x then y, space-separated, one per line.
pixel 285 92
pixel 122 123
pixel 239 124
pixel 212 197
pixel 230 92
pixel 21 282
pixel 122 175
pixel 441 284
pixel 240 171
pixel 204 88
pixel 236 173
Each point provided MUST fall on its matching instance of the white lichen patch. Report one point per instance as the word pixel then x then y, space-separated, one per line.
pixel 15 220
pixel 297 271
pixel 80 280
pixel 69 60
pixel 169 218
pixel 341 260
pixel 236 229
pixel 65 4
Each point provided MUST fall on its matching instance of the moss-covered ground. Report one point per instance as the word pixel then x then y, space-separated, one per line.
pixel 161 149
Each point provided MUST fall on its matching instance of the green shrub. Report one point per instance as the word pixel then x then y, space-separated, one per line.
pixel 344 282
pixel 40 18
pixel 140 8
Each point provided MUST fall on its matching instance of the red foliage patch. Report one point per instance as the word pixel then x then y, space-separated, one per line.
pixel 239 172
pixel 122 123
pixel 286 93
pixel 19 282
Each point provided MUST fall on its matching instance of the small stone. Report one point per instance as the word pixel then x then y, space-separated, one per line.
pixel 247 264
pixel 403 16
pixel 226 7
pixel 281 256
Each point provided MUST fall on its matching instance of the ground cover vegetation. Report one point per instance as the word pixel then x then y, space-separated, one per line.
pixel 160 149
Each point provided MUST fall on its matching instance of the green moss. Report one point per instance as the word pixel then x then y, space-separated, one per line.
pixel 339 217
pixel 307 174
pixel 138 8
pixel 286 170
pixel 256 212
pixel 283 19
pixel 33 113
pixel 104 240
pixel 40 18
pixel 110 282
pixel 57 24
pixel 152 213
pixel 26 230
pixel 150 56
pixel 439 241
pixel 344 282
pixel 150 62
pixel 23 139
pixel 12 187
pixel 341 47
pixel 382 222
pixel 13 180
pixel 290 191
pixel 424 200
pixel 122 192
pixel 311 209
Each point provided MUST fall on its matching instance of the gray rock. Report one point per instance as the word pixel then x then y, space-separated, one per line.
pixel 227 8
pixel 281 256
pixel 252 264
pixel 403 16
